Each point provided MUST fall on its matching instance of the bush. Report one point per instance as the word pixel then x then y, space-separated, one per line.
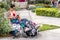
pixel 17 9
pixel 43 1
pixel 33 10
pixel 57 14
pixel 52 12
pixel 47 2
pixel 43 5
pixel 4 5
pixel 4 24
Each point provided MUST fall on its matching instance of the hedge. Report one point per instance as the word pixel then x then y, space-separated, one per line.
pixel 4 24
pixel 44 5
pixel 4 5
pixel 52 12
pixel 43 1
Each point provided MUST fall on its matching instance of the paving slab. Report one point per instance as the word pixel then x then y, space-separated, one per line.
pixel 45 35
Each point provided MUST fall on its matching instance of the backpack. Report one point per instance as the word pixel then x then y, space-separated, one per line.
pixel 23 22
pixel 27 23
pixel 33 31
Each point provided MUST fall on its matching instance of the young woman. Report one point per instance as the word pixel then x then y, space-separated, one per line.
pixel 11 13
pixel 14 19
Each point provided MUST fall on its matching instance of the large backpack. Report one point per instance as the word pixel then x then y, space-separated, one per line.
pixel 27 23
pixel 33 31
pixel 23 22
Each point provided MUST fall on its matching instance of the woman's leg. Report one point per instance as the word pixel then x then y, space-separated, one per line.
pixel 15 32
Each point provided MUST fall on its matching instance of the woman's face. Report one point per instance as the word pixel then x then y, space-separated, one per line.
pixel 13 8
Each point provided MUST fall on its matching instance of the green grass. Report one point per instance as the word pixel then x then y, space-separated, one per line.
pixel 48 27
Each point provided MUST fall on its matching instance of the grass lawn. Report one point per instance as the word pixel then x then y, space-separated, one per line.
pixel 48 27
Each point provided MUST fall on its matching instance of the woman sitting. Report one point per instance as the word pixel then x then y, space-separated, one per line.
pixel 14 19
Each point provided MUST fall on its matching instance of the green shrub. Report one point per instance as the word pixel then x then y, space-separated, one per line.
pixel 52 12
pixel 43 1
pixel 4 5
pixel 47 2
pixel 44 5
pixel 17 9
pixel 33 10
pixel 4 24
pixel 57 14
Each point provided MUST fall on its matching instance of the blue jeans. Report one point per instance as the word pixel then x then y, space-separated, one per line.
pixel 15 32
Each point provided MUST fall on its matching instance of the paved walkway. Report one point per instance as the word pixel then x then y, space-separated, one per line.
pixel 39 19
pixel 46 35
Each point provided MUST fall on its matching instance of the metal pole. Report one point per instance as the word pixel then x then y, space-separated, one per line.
pixel 30 16
pixel 30 13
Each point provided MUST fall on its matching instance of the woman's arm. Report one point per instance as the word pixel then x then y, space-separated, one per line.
pixel 9 16
pixel 18 17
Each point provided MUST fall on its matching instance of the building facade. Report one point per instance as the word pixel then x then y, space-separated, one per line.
pixel 0 0
pixel 23 3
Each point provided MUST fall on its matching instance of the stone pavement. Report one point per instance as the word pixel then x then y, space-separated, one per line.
pixel 39 19
pixel 46 35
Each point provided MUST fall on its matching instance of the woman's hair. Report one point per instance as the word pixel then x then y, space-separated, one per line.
pixel 12 5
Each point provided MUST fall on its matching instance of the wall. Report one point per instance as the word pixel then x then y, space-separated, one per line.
pixel 0 0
